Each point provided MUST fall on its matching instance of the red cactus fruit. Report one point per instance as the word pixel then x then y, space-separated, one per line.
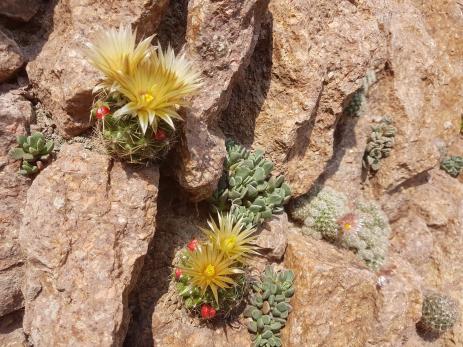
pixel 178 274
pixel 192 245
pixel 102 112
pixel 207 311
pixel 160 135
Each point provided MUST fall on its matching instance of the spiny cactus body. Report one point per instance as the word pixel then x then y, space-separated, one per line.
pixel 379 144
pixel 358 99
pixel 320 212
pixel 123 137
pixel 452 165
pixel 247 188
pixel 34 151
pixel 439 313
pixel 269 307
pixel 193 298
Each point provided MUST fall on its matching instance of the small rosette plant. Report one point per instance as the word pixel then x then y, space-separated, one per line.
pixel 211 275
pixel 137 102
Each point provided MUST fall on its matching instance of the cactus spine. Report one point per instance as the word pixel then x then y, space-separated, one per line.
pixel 439 313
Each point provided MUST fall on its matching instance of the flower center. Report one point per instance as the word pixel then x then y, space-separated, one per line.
pixel 147 98
pixel 210 270
pixel 347 226
pixel 229 243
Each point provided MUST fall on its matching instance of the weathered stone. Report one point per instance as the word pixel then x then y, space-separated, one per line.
pixel 15 112
pixel 11 332
pixel 11 58
pixel 399 304
pixel 272 237
pixel 87 228
pixel 22 10
pixel 335 296
pixel 60 74
pixel 434 249
pixel 220 38
pixel 311 56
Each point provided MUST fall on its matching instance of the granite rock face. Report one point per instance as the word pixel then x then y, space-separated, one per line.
pixel 335 296
pixel 220 38
pixel 21 10
pixel 311 56
pixel 11 58
pixel 15 113
pixel 87 228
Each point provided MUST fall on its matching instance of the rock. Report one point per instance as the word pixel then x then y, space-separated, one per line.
pixel 60 75
pixel 15 113
pixel 11 332
pixel 272 237
pixel 220 38
pixel 179 334
pixel 335 296
pixel 22 10
pixel 399 304
pixel 434 248
pixel 11 59
pixel 310 58
pixel 87 228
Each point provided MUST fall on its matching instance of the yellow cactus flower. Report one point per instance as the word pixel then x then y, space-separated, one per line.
pixel 231 237
pixel 115 53
pixel 209 268
pixel 157 88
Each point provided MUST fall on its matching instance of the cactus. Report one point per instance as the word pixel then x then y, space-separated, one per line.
pixel 452 165
pixel 354 107
pixel 33 150
pixel 439 313
pixel 379 144
pixel 123 137
pixel 269 307
pixel 369 237
pixel 319 212
pixel 247 188
pixel 365 230
pixel 192 298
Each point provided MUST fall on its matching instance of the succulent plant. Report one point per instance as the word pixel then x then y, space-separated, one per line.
pixel 319 212
pixel 33 150
pixel 368 235
pixel 439 313
pixel 269 307
pixel 247 188
pixel 123 137
pixel 379 144
pixel 452 165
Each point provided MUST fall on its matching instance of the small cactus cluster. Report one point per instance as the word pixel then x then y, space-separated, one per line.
pixel 319 212
pixel 248 190
pixel 269 307
pixel 439 313
pixel 367 233
pixel 123 137
pixel 354 107
pixel 452 165
pixel 379 144
pixel 34 151
pixel 364 229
